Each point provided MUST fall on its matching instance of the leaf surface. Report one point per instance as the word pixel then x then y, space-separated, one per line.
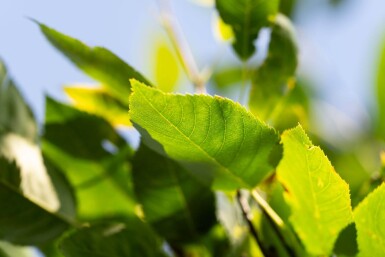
pixel 112 239
pixel 98 62
pixel 94 158
pixel 369 216
pixel 246 17
pixel 100 102
pixel 213 137
pixel 174 202
pixel 318 197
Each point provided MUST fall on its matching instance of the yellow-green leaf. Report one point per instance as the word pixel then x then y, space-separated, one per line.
pixel 166 68
pixel 318 197
pixel 369 217
pixel 100 102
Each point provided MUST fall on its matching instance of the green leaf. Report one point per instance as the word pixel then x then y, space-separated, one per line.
pixel 166 68
pixel 97 62
pixel 15 114
pixel 246 17
pixel 29 211
pixel 100 102
pixel 93 157
pixel 112 239
pixel 213 137
pixel 69 129
pixel 380 93
pixel 368 217
pixel 9 250
pixel 174 202
pixel 271 79
pixel 318 197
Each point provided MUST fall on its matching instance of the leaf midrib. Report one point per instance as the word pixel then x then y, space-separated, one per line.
pixel 240 181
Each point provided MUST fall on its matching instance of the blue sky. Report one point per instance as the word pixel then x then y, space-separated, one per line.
pixel 339 47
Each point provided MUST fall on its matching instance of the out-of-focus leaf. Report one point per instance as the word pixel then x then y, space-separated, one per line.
pixel 174 202
pixel 287 7
pixel 29 211
pixel 223 31
pixel 380 93
pixel 318 197
pixel 368 217
pixel 166 68
pixel 346 243
pixel 246 17
pixel 9 250
pixel 80 134
pixel 131 238
pixel 15 114
pixel 94 158
pixel 227 77
pixel 215 138
pixel 230 216
pixel 100 102
pixel 97 62
pixel 276 75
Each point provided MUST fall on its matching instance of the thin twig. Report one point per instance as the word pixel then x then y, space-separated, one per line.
pixel 180 44
pixel 273 218
pixel 245 208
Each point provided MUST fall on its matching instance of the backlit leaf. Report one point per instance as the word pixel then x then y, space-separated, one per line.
pixel 100 102
pixel 369 216
pixel 166 68
pixel 215 138
pixel 275 76
pixel 246 17
pixel 380 93
pixel 98 62
pixel 318 197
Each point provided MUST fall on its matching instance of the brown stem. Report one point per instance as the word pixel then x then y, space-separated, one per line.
pixel 245 208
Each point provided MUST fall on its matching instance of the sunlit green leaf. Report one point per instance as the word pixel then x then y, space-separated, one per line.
pixel 370 229
pixel 97 62
pixel 166 68
pixel 275 76
pixel 112 239
pixel 174 202
pixel 246 17
pixel 213 137
pixel 318 197
pixel 100 102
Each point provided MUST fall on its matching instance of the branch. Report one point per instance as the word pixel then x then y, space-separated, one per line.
pixel 245 208
pixel 180 44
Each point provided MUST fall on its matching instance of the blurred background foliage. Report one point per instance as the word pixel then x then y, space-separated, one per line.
pixel 348 122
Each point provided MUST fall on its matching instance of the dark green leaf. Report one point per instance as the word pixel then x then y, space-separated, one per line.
pixel 15 114
pixel 97 62
pixel 213 137
pixel 93 157
pixel 246 17
pixel 132 238
pixel 80 134
pixel 275 76
pixel 174 202
pixel 24 221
